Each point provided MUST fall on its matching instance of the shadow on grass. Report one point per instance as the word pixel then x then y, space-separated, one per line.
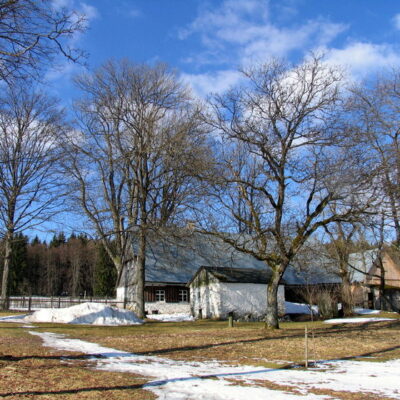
pixel 163 382
pixel 321 332
pixel 143 385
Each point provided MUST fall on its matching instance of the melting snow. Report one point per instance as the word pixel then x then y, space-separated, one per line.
pixel 193 380
pixel 85 313
pixel 178 317
pixel 366 311
pixel 298 308
pixel 355 320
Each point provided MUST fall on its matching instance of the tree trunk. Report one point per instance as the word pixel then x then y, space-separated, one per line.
pixel 382 285
pixel 140 263
pixel 346 295
pixel 271 321
pixel 6 269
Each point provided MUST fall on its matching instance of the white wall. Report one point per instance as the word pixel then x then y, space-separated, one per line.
pixel 244 299
pixel 167 308
pixel 206 298
pixel 161 306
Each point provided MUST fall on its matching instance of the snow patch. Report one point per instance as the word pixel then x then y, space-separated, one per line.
pixel 355 320
pixel 13 318
pixel 178 317
pixel 366 311
pixel 208 380
pixel 85 313
pixel 298 308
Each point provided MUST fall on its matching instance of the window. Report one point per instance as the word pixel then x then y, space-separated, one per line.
pixel 160 295
pixel 183 295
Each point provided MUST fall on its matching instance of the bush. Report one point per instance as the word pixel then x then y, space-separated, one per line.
pixel 327 305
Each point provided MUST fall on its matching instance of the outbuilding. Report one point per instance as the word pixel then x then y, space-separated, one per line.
pixel 215 292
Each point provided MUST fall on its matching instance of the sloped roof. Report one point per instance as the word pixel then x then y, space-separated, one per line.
pixel 176 257
pixel 312 274
pixel 239 275
pixel 362 263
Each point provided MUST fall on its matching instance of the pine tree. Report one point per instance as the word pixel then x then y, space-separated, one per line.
pixel 105 274
pixel 19 282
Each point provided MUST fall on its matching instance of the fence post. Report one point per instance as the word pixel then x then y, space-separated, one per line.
pixel 30 303
pixel 306 346
pixel 230 319
pixel 51 302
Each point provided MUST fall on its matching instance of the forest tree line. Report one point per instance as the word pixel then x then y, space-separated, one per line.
pixel 74 266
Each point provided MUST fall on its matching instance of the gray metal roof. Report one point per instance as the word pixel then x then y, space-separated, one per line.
pixel 310 274
pixel 239 275
pixel 176 257
pixel 363 262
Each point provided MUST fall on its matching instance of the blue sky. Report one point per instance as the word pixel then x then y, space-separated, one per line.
pixel 208 40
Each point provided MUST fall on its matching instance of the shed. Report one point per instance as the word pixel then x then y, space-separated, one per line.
pixel 217 291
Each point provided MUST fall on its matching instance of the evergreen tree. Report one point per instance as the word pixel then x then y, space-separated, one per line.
pixel 19 282
pixel 58 240
pixel 35 241
pixel 105 274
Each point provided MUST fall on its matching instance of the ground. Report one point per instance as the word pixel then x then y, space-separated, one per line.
pixel 29 370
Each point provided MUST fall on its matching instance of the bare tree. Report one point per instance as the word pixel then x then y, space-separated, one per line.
pixel 342 237
pixel 375 108
pixel 29 183
pixel 132 161
pixel 32 34
pixel 287 120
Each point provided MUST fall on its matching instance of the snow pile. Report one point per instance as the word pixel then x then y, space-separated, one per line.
pixel 355 320
pixel 85 313
pixel 298 308
pixel 178 317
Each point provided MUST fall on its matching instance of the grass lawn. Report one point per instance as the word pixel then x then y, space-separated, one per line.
pixel 27 367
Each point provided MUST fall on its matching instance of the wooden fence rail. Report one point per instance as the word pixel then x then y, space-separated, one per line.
pixel 32 303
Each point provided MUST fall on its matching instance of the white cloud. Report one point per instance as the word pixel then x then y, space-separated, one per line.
pixel 396 21
pixel 243 32
pixel 244 29
pixel 204 84
pixel 59 4
pixel 89 11
pixel 363 58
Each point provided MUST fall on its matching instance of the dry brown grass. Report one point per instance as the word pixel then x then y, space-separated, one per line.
pixel 249 343
pixel 27 370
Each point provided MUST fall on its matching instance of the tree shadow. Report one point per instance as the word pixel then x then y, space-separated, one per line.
pixel 163 382
pixel 321 332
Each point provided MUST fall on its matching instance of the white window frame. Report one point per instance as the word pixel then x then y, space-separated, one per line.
pixel 160 295
pixel 183 296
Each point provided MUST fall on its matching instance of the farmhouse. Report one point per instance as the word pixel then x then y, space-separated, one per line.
pixel 178 264
pixel 375 277
pixel 171 262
